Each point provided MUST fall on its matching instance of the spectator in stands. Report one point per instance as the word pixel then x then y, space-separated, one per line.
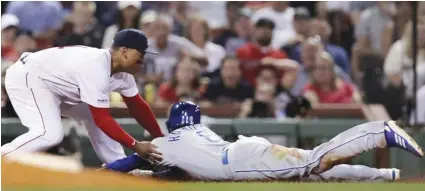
pixel 310 48
pixel 398 63
pixel 356 9
pixel 181 17
pixel 369 32
pixel 401 18
pixel 229 88
pixel 9 28
pixel 222 33
pixel 323 29
pixel 42 18
pixel 145 24
pixel 128 15
pixel 326 87
pixel 24 42
pixel 268 74
pixel 320 28
pixel 282 15
pixel 337 13
pixel 197 32
pixel 420 107
pixel 253 52
pixel 81 28
pixel 170 48
pixel 262 106
pixel 302 20
pixel 184 85
pixel 243 28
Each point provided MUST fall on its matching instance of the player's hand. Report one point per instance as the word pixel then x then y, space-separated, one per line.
pixel 148 151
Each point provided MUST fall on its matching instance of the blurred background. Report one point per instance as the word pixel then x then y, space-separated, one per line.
pixel 306 69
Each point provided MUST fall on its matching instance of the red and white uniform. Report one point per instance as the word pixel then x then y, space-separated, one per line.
pixel 75 82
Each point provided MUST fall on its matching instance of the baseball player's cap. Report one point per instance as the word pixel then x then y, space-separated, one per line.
pixel 134 39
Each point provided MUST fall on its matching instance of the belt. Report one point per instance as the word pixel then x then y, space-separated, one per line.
pixel 224 158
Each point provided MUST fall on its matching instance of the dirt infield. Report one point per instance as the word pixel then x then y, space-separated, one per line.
pixel 412 180
pixel 15 175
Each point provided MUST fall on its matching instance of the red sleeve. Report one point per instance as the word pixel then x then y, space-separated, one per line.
pixel 110 127
pixel 143 114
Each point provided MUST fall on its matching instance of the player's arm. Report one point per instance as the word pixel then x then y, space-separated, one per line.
pixel 143 114
pixel 138 108
pixel 94 90
pixel 128 164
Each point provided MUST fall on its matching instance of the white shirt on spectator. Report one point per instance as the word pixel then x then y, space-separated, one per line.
pixel 167 58
pixel 283 24
pixel 215 54
pixel 397 62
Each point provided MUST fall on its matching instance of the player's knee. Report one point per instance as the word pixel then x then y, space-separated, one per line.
pixel 53 139
pixel 328 161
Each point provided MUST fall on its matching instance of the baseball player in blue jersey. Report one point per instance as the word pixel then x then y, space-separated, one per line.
pixel 202 154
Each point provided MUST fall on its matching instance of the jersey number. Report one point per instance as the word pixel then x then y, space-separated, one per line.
pixel 212 138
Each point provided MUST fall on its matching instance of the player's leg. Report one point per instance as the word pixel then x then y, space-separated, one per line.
pixel 361 138
pixel 106 148
pixel 38 110
pixel 357 173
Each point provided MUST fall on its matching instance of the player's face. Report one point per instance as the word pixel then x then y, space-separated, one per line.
pixel 133 60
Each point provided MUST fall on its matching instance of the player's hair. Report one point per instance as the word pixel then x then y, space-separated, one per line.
pixel 328 57
pixel 267 67
pixel 227 58
pixel 119 20
pixel 204 24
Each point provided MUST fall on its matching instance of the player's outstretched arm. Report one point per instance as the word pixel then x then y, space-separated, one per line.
pixel 143 114
pixel 128 164
pixel 110 127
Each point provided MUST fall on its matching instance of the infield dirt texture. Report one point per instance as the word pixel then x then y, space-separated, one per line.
pixel 18 177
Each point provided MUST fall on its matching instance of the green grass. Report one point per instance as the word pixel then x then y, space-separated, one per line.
pixel 271 186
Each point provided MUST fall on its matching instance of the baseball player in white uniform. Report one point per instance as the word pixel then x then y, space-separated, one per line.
pixel 204 155
pixel 76 81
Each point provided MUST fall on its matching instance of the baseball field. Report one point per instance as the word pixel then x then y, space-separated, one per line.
pixel 52 175
pixel 271 186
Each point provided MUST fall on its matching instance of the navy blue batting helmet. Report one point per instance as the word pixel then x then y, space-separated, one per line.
pixel 182 114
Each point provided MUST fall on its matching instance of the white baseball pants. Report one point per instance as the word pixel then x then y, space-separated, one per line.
pixel 39 109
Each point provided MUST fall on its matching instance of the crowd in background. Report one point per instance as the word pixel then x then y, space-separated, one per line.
pixel 261 56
